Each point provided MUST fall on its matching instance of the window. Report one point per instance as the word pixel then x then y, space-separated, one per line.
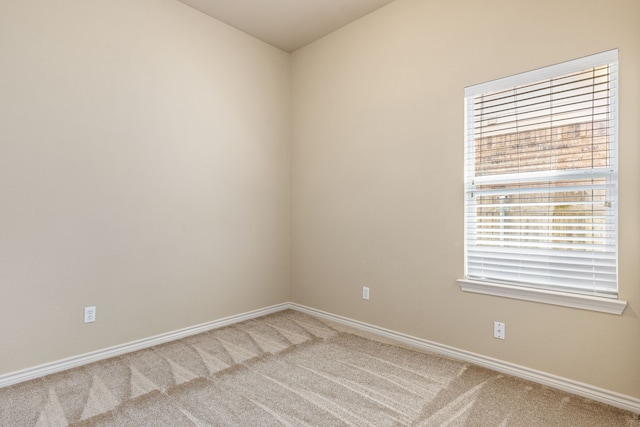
pixel 541 180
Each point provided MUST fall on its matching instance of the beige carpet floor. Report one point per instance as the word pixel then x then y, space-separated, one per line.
pixel 290 369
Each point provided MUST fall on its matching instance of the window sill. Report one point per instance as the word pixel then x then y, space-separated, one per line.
pixel 584 302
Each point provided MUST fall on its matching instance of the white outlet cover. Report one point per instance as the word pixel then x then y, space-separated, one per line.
pixel 498 330
pixel 90 314
pixel 365 292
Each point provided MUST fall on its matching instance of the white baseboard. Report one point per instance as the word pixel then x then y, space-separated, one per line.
pixel 84 359
pixel 618 400
pixel 585 390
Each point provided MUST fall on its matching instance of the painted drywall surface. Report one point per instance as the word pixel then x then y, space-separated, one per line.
pixel 144 152
pixel 377 178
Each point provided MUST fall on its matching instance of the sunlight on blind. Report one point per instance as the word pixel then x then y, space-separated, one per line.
pixel 541 181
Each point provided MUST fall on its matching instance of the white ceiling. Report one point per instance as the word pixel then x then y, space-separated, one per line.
pixel 287 24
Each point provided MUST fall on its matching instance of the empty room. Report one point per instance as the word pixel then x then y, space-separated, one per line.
pixel 306 212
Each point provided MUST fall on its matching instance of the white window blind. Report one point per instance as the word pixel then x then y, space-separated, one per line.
pixel 541 178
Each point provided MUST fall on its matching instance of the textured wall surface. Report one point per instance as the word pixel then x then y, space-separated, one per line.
pixel 377 183
pixel 144 152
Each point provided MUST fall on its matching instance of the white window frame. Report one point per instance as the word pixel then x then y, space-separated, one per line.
pixel 524 291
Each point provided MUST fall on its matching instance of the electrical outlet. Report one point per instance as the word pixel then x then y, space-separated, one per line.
pixel 498 330
pixel 365 293
pixel 90 314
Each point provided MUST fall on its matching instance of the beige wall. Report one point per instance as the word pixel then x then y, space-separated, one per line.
pixel 377 189
pixel 144 152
